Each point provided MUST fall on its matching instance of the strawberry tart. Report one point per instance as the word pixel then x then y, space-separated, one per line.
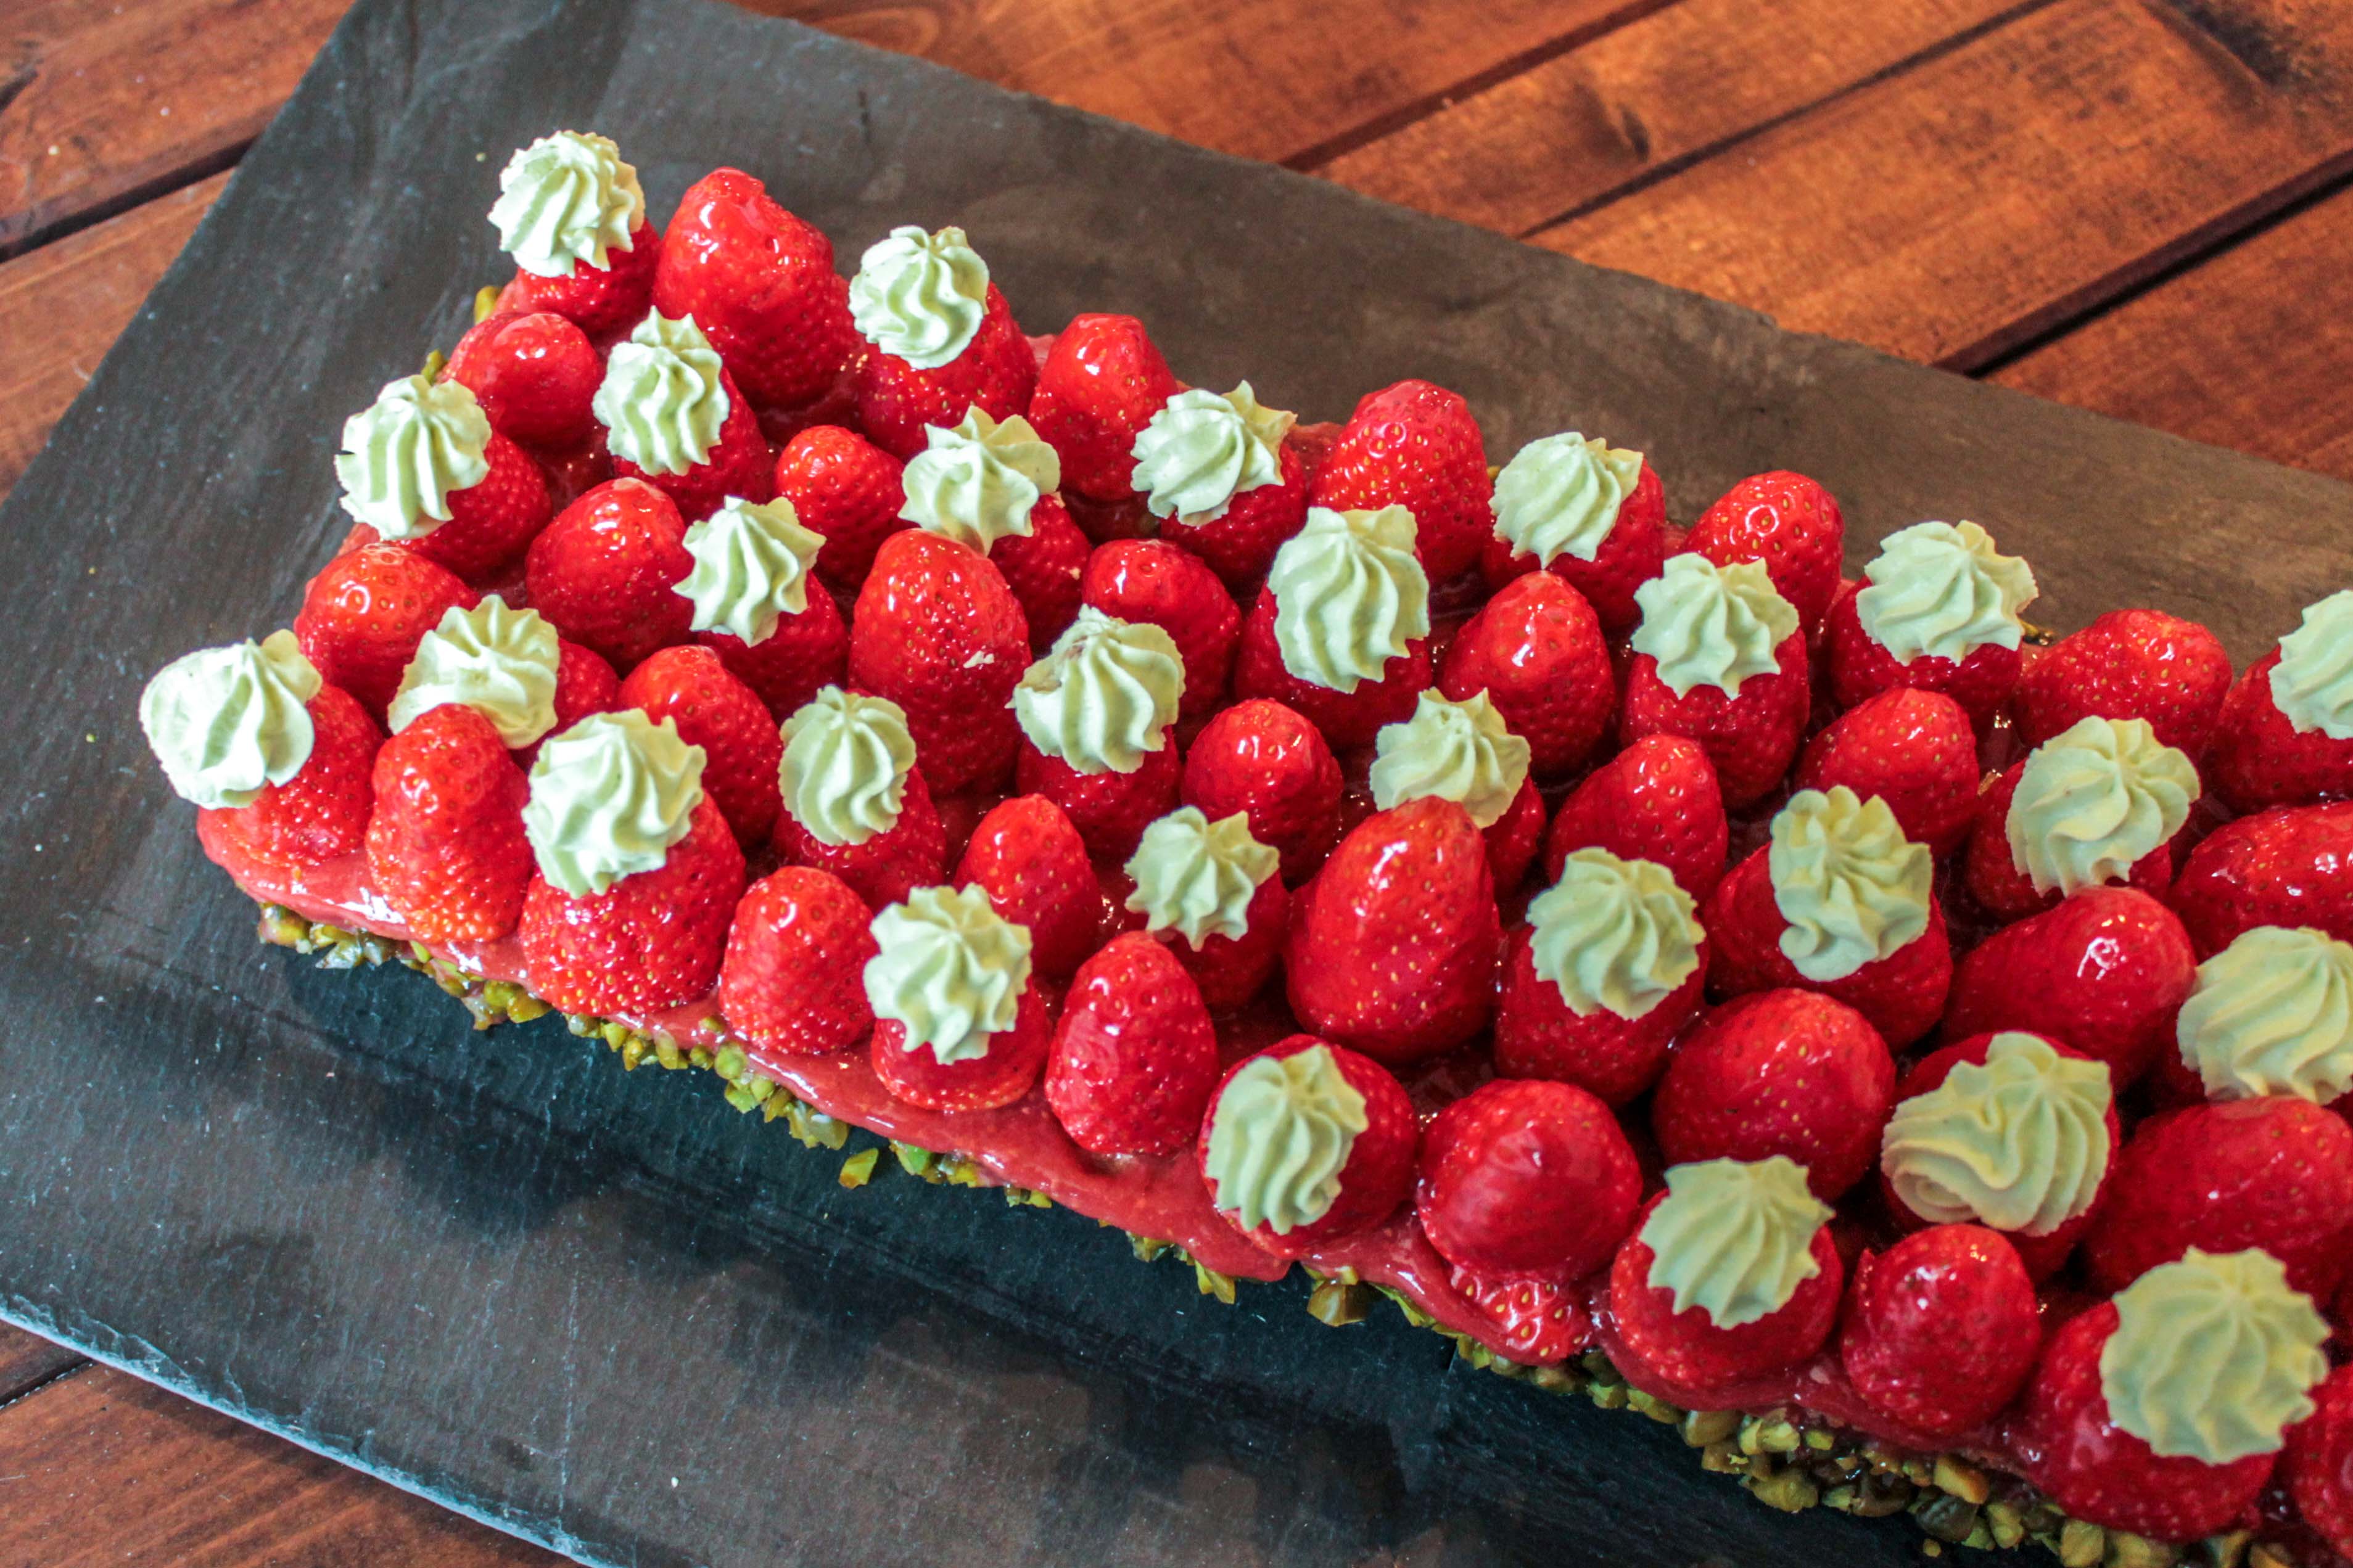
pixel 1906 1052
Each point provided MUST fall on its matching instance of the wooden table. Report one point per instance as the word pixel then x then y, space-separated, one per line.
pixel 2136 206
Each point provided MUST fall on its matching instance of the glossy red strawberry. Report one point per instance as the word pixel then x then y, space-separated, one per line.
pixel 2291 867
pixel 651 941
pixel 1376 1175
pixel 910 853
pixel 760 283
pixel 1026 855
pixel 807 652
pixel 937 631
pixel 1750 736
pixel 1670 1352
pixel 847 489
pixel 585 684
pixel 363 617
pixel 1859 669
pixel 996 372
pixel 2128 664
pixel 491 522
pixel 1538 1035
pixel 445 844
pixel 1901 995
pixel 2317 1466
pixel 322 813
pixel 1656 800
pixel 1537 652
pixel 603 303
pixel 1347 718
pixel 1231 969
pixel 1790 523
pixel 534 375
pixel 1043 568
pixel 1780 1072
pixel 1110 809
pixel 1098 387
pixel 1394 944
pixel 1913 749
pixel 1941 1329
pixel 794 976
pixel 1152 580
pixel 2260 759
pixel 1134 1057
pixel 2001 887
pixel 2105 972
pixel 1416 446
pixel 718 712
pixel 606 572
pixel 1238 544
pixel 1523 1179
pixel 738 464
pixel 1265 761
pixel 1631 555
pixel 1540 1324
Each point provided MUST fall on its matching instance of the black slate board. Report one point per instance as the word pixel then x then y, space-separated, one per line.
pixel 600 1310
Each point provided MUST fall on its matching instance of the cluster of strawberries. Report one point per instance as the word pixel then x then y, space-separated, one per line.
pixel 698 560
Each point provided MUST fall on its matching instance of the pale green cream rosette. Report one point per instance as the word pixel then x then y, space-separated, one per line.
pixel 608 797
pixel 662 401
pixel 1279 1135
pixel 1461 751
pixel 845 767
pixel 1560 495
pixel 1613 935
pixel 1103 697
pixel 1940 589
pixel 2094 798
pixel 1201 450
pixel 1197 877
pixel 949 970
pixel 567 199
pixel 227 723
pixel 2019 1143
pixel 1735 1237
pixel 2213 1357
pixel 406 452
pixel 920 296
pixel 2272 1014
pixel 977 482
pixel 500 662
pixel 1712 625
pixel 752 566
pixel 1852 888
pixel 1349 596
pixel 2312 684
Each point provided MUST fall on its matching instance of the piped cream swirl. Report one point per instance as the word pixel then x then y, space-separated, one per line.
pixel 1852 888
pixel 1942 590
pixel 1349 596
pixel 1203 449
pixel 2093 799
pixel 1735 1237
pixel 500 662
pixel 751 563
pixel 844 772
pixel 2213 1357
pixel 1103 697
pixel 1614 935
pixel 567 199
pixel 949 970
pixel 1279 1135
pixel 920 296
pixel 1712 625
pixel 2018 1144
pixel 227 723
pixel 608 798
pixel 1560 495
pixel 977 482
pixel 406 452
pixel 662 401
pixel 2312 684
pixel 1461 751
pixel 2272 1014
pixel 1197 877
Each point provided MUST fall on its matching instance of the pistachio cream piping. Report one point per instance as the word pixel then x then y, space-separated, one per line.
pixel 567 199
pixel 1560 495
pixel 1461 751
pixel 751 562
pixel 227 723
pixel 1852 888
pixel 1203 449
pixel 2093 799
pixel 2213 1357
pixel 1735 1237
pixel 1103 696
pixel 1279 1135
pixel 2312 684
pixel 608 797
pixel 2272 1014
pixel 920 296
pixel 977 482
pixel 844 774
pixel 663 400
pixel 1349 596
pixel 1712 625
pixel 406 452
pixel 2019 1143
pixel 500 662
pixel 1613 934
pixel 950 970
pixel 1940 589
pixel 1197 877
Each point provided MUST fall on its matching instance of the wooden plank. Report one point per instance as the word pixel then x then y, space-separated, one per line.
pixel 100 1467
pixel 2246 350
pixel 29 1361
pixel 62 305
pixel 1635 104
pixel 1957 209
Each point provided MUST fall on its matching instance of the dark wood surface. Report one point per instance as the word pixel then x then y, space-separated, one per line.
pixel 2136 207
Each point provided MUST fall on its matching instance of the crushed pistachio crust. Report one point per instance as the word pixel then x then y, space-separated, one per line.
pixel 1791 1460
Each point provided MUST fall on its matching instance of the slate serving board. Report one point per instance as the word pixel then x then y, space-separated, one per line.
pixel 600 1310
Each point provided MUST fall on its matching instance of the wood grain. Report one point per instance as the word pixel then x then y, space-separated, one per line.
pixel 100 1467
pixel 1957 209
pixel 29 1361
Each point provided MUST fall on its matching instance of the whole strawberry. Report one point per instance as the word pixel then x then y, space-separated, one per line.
pixel 847 490
pixel 794 976
pixel 958 1026
pixel 1720 658
pixel 673 418
pixel 1306 1142
pixel 1589 514
pixel 1268 763
pixel 364 615
pixel 1941 1329
pixel 760 283
pixel 2291 867
pixel 2024 856
pixel 2317 1467
pixel 2105 973
pixel 2128 664
pixel 939 340
pixel 1937 610
pixel 534 375
pixel 1098 387
pixel 1655 800
pixel 607 571
pixel 1043 568
pixel 1340 635
pixel 937 631
pixel 1789 523
pixel 1152 580
pixel 1097 717
pixel 445 843
pixel 1210 891
pixel 1780 1072
pixel 585 684
pixel 1913 749
pixel 714 710
pixel 1135 1056
pixel 1393 945
pixel 322 813
pixel 1523 1179
pixel 1536 650
pixel 1538 1324
pixel 1026 855
pixel 1416 446
pixel 756 607
pixel 855 804
pixel 2286 734
pixel 1224 478
pixel 572 216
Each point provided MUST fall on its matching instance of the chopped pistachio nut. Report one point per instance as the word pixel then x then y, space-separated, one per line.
pixel 859 1169
pixel 1338 1302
